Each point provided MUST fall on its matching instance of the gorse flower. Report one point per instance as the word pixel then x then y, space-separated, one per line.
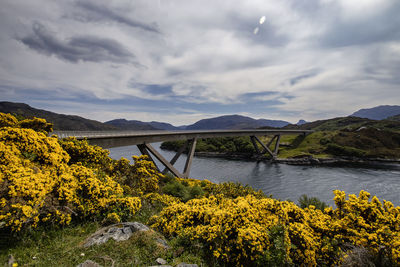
pixel 38 183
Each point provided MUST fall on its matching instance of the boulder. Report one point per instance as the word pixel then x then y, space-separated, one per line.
pixel 161 261
pixel 120 232
pixel 89 263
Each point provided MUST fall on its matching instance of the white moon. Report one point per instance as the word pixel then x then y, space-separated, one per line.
pixel 256 30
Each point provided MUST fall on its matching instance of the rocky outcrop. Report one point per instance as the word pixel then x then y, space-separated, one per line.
pixel 119 232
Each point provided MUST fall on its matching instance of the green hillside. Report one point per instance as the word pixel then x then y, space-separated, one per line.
pixel 59 121
pixel 349 123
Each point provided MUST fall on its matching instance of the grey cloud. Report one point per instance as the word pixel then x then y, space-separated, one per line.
pixel 299 78
pixel 99 13
pixel 153 89
pixel 80 48
pixel 379 28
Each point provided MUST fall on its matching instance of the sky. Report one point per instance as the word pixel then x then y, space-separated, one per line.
pixel 180 61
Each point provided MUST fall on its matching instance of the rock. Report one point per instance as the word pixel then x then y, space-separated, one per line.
pixel 11 260
pixel 186 265
pixel 162 243
pixel 118 232
pixel 161 261
pixel 89 263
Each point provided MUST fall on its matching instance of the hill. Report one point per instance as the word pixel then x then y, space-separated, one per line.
pixel 130 125
pixel 234 122
pixel 351 123
pixel 164 126
pixel 377 113
pixel 124 124
pixel 60 121
pixel 394 118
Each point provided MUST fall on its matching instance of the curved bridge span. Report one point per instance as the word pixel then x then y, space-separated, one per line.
pixel 143 140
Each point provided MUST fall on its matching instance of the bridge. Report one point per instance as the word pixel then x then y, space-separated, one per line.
pixel 143 140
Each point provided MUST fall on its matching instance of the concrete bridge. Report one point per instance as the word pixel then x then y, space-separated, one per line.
pixel 143 139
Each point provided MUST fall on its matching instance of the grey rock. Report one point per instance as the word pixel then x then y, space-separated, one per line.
pixel 186 265
pixel 118 232
pixel 89 263
pixel 161 261
pixel 162 243
pixel 11 260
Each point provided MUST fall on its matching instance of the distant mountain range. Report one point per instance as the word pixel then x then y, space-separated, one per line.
pixel 234 122
pixel 140 125
pixel 70 122
pixel 222 122
pixel 377 113
pixel 60 121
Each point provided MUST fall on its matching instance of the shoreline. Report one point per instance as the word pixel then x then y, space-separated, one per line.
pixel 306 160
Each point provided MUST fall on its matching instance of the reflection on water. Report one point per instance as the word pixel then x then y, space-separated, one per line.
pixel 290 182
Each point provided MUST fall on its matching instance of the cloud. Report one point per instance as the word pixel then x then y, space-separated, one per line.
pixel 299 78
pixel 96 12
pixel 381 24
pixel 310 59
pixel 78 48
pixel 154 89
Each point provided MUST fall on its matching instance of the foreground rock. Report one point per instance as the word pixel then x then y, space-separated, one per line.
pixel 89 263
pixel 119 232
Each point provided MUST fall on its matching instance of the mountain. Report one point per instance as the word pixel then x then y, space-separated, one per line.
pixel 377 113
pixel 164 126
pixel 123 124
pixel 301 122
pixel 60 121
pixel 234 122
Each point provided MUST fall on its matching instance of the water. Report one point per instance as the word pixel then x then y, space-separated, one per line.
pixel 288 181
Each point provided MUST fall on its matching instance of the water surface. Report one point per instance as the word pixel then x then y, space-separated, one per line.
pixel 289 181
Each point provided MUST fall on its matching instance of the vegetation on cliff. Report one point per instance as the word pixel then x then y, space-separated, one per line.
pixel 58 191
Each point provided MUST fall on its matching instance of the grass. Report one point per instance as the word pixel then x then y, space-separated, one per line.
pixel 63 246
pixel 298 145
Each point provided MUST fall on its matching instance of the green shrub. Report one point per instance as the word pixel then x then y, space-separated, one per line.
pixel 305 201
pixel 182 190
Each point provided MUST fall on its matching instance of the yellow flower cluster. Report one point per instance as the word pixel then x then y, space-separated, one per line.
pixel 7 120
pixel 37 124
pixel 38 184
pixel 239 230
pixel 140 178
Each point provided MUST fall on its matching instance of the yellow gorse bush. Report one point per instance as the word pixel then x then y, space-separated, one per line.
pixel 239 230
pixel 38 183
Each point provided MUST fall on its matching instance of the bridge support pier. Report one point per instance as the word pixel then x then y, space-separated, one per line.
pixel 149 150
pixel 254 139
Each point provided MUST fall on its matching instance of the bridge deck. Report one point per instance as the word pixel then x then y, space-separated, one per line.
pixel 143 139
pixel 108 139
